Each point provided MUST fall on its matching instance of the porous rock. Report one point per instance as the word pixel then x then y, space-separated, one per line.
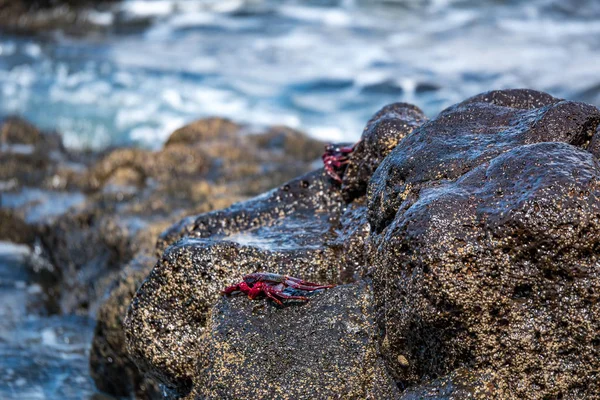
pixel 110 365
pixel 303 228
pixel 325 348
pixel 381 135
pixel 204 166
pixel 90 214
pixel 487 229
pixel 480 230
pixel 281 232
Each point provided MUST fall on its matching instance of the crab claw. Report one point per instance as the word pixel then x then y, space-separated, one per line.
pixel 241 287
pixel 335 158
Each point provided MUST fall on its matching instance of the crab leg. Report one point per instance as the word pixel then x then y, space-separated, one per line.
pixel 309 288
pixel 302 285
pixel 288 297
pixel 272 297
pixel 333 175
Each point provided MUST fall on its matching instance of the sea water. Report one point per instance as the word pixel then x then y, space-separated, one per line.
pixel 320 66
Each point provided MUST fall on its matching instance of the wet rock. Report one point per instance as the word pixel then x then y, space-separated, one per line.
pixel 203 130
pixel 206 178
pixel 16 130
pixel 110 365
pixel 480 230
pixel 303 228
pixel 28 157
pixel 255 349
pixel 460 384
pixel 471 133
pixel 35 172
pixel 383 132
pixel 13 227
pixel 30 16
pixel 279 232
pixel 486 226
pixel 291 143
pixel 90 214
pixel 128 196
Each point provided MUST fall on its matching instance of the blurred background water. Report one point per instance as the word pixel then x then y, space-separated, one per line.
pixel 319 66
pixel 42 356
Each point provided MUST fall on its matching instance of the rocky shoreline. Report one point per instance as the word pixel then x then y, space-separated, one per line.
pixel 465 249
pixel 94 218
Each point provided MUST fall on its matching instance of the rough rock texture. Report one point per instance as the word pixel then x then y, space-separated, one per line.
pixel 278 345
pixel 480 229
pixel 204 165
pixel 91 214
pixel 381 134
pixel 303 228
pixel 168 315
pixel 110 365
pixel 486 223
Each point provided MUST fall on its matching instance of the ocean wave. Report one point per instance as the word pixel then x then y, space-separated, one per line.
pixel 322 68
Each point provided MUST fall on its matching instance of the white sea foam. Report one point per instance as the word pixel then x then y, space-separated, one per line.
pixel 277 62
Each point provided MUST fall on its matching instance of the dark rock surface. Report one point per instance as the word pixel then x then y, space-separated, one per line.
pixel 480 230
pixel 110 364
pixel 381 135
pixel 92 214
pixel 31 16
pixel 466 250
pixel 487 230
pixel 278 345
pixel 280 232
pixel 303 228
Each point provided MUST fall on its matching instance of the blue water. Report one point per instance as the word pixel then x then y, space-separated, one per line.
pixel 41 356
pixel 323 67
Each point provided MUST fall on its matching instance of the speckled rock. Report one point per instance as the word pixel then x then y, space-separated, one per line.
pixel 205 159
pixel 326 348
pixel 90 214
pixel 381 135
pixel 480 231
pixel 303 228
pixel 471 133
pixel 110 365
pixel 486 225
pixel 280 232
pixel 29 157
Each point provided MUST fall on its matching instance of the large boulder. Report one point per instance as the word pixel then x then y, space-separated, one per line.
pixel 303 228
pixel 91 214
pixel 479 231
pixel 325 348
pixel 280 232
pixel 487 230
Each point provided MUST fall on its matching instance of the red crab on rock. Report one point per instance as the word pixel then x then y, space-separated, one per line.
pixel 335 159
pixel 274 286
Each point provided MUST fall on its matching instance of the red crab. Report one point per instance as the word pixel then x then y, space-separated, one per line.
pixel 335 159
pixel 274 286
